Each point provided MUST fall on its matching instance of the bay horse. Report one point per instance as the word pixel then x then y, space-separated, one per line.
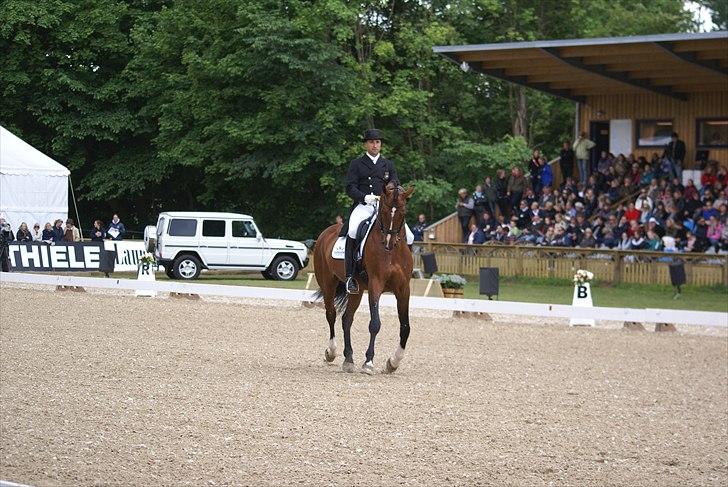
pixel 388 265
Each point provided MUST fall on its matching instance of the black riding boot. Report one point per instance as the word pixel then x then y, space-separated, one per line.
pixel 351 285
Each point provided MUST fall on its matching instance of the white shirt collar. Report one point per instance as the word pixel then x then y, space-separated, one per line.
pixel 373 158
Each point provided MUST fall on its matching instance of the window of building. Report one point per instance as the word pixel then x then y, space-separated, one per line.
pixel 653 133
pixel 242 228
pixel 182 227
pixel 712 132
pixel 213 228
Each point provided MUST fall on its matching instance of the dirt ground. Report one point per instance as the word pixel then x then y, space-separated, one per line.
pixel 99 389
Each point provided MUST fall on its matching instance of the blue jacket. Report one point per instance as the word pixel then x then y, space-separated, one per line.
pixel 120 227
pixel 547 175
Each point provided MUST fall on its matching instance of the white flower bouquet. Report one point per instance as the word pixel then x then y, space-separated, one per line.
pixel 582 277
pixel 147 258
pixel 451 281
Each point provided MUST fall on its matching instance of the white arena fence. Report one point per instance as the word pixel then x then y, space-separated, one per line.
pixel 647 315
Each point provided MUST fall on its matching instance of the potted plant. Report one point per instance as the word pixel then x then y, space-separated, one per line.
pixel 452 285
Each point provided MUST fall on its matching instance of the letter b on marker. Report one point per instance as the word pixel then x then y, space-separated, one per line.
pixel 581 292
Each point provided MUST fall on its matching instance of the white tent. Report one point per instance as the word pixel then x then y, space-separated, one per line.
pixel 33 187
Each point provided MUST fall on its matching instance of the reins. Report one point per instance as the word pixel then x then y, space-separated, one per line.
pixel 388 233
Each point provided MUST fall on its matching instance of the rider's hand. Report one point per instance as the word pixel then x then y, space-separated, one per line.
pixel 370 199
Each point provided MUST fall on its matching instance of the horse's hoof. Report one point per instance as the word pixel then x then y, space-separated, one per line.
pixel 389 368
pixel 329 356
pixel 367 368
pixel 348 367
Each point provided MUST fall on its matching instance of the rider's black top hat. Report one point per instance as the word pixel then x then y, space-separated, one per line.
pixel 372 134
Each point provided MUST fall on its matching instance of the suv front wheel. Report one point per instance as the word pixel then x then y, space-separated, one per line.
pixel 186 267
pixel 284 268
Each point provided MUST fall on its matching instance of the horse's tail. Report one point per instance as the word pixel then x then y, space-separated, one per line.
pixel 341 298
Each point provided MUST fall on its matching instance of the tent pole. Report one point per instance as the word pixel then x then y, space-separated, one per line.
pixel 75 206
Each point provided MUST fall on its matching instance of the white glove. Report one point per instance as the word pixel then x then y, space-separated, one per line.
pixel 370 199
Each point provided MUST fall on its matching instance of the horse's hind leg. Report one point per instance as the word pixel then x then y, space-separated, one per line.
pixel 346 321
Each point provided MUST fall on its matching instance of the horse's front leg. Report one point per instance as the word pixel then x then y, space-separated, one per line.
pixel 404 330
pixel 346 321
pixel 375 324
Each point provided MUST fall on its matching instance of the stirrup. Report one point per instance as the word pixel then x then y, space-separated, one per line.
pixel 351 286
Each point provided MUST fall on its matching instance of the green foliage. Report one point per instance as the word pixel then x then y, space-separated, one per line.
pixel 258 105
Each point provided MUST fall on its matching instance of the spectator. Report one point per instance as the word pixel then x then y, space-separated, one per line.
pixel 37 233
pixel 464 207
pixel 480 203
pixel 57 231
pixel 547 174
pixel 582 146
pixel 476 235
pixel 116 229
pixel 488 225
pixel 8 234
pixel 587 239
pixel 24 234
pixel 491 195
pixel 71 234
pixel 338 220
pixel 632 213
pixel 566 160
pixel 501 189
pixel 654 242
pixel 516 186
pixel 714 232
pixel 419 228
pixel 47 235
pixel 675 155
pixel 604 163
pixel 98 233
pixel 534 168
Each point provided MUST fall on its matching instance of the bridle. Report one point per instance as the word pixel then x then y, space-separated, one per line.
pixel 388 233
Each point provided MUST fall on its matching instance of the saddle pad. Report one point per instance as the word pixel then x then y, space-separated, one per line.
pixel 339 249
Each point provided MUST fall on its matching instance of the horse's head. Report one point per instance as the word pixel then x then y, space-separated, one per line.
pixel 392 210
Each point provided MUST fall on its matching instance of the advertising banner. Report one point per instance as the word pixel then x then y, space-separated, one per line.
pixel 74 257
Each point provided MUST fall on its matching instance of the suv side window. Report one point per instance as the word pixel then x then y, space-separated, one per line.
pixel 243 228
pixel 213 228
pixel 182 227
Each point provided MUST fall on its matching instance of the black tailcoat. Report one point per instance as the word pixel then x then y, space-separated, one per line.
pixel 364 177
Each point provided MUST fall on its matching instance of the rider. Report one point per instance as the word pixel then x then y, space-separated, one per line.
pixel 365 180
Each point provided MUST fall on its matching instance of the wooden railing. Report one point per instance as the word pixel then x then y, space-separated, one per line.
pixel 612 266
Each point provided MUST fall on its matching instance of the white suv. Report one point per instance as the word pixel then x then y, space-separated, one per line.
pixel 187 242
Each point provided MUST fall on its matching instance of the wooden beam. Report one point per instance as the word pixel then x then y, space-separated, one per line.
pixel 701 45
pixel 690 58
pixel 548 78
pixel 615 75
pixel 523 81
pixel 702 87
pixel 512 54
pixel 635 59
pixel 521 63
pixel 537 70
pixel 614 49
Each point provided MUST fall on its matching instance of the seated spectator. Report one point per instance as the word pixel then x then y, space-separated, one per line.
pixel 23 234
pixel 587 239
pixel 669 244
pixel 476 235
pixel 646 214
pixel 488 225
pixel 98 233
pixel 690 189
pixel 632 213
pixel 71 234
pixel 690 243
pixel 604 163
pixel 561 238
pixel 654 226
pixel 48 234
pixel 642 198
pixel 58 231
pixel 37 233
pixel 654 242
pixel 708 178
pixel 714 232
pixel 116 229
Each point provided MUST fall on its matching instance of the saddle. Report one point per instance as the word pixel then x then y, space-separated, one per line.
pixel 361 239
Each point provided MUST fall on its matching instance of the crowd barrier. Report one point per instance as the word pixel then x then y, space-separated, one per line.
pixel 649 315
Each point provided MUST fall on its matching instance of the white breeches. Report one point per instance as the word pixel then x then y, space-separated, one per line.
pixel 363 212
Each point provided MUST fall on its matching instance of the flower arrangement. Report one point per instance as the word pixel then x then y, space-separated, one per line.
pixel 451 281
pixel 147 258
pixel 582 277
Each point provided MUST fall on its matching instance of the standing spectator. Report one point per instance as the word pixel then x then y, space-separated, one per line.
pixel 98 233
pixel 71 234
pixel 566 161
pixel 37 233
pixel 501 189
pixel 491 196
pixel 419 229
pixel 6 236
pixel 58 231
pixel 24 234
pixel 534 168
pixel 516 186
pixel 675 154
pixel 547 174
pixel 464 207
pixel 47 235
pixel 479 204
pixel 116 229
pixel 582 146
